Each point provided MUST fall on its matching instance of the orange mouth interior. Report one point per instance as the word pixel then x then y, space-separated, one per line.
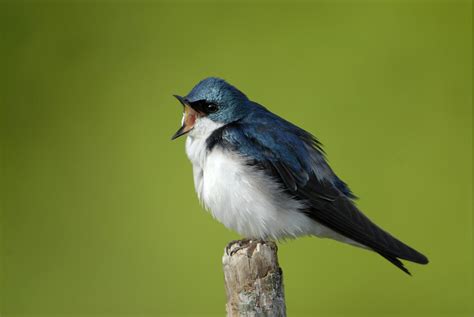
pixel 189 118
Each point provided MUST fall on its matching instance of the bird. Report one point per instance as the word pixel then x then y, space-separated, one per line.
pixel 267 179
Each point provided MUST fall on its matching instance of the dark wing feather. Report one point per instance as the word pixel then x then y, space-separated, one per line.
pixel 343 216
pixel 294 158
pixel 285 175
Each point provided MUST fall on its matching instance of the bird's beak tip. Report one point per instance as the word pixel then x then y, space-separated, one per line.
pixel 181 99
pixel 189 118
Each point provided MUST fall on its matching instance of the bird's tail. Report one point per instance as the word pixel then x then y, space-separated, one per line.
pixel 399 250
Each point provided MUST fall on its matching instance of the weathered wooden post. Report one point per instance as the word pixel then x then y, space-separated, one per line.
pixel 253 279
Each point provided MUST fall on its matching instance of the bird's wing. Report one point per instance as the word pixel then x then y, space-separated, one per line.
pixel 294 158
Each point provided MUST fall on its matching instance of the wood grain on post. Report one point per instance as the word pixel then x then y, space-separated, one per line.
pixel 253 279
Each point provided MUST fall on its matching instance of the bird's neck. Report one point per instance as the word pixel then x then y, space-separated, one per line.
pixel 203 128
pixel 196 144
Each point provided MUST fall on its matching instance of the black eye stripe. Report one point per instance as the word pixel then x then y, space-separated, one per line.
pixel 204 106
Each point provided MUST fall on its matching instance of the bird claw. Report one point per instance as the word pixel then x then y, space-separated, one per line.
pixel 228 249
pixel 231 249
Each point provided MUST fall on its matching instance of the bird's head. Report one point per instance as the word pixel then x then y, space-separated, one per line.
pixel 214 99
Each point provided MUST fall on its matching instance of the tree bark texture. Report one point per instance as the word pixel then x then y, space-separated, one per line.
pixel 253 279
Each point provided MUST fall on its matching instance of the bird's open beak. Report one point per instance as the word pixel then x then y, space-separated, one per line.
pixel 189 118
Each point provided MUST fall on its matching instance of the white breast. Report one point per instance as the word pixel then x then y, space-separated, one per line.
pixel 241 197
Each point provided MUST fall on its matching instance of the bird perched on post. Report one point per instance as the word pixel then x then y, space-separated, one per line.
pixel 266 178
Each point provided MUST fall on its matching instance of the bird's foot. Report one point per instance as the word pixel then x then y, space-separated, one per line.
pixel 237 245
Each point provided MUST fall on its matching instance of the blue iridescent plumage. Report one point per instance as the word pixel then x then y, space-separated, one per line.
pixel 263 136
pixel 294 160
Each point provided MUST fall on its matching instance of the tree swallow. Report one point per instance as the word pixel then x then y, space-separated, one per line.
pixel 266 178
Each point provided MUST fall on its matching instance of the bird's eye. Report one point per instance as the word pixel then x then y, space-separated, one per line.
pixel 210 108
pixel 204 106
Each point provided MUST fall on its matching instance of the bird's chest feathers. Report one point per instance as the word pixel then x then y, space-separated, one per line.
pixel 223 186
pixel 220 176
pixel 238 195
pixel 197 152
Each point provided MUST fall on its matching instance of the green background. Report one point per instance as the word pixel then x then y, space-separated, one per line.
pixel 99 215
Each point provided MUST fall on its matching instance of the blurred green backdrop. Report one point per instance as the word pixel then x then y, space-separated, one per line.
pixel 99 215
